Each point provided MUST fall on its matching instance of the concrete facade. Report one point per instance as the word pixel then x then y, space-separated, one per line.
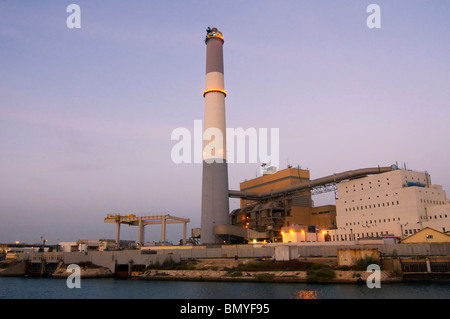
pixel 330 249
pixel 109 259
pixel 393 203
pixel 347 257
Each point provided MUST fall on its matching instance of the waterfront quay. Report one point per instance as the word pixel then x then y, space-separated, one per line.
pixel 398 262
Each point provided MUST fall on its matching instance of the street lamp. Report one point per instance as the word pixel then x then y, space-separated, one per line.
pixel 43 243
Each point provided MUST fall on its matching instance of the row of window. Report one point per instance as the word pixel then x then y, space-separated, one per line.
pixel 435 216
pixel 362 207
pixel 356 236
pixel 378 196
pixel 374 221
pixel 431 191
pixel 388 220
pixel 429 201
pixel 370 183
pixel 410 231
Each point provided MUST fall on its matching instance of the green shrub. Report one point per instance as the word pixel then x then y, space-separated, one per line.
pixel 236 274
pixel 316 266
pixel 170 264
pixel 344 268
pixel 362 263
pixel 320 274
pixel 275 265
pixel 265 277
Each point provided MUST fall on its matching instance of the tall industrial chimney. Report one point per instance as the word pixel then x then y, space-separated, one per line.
pixel 215 200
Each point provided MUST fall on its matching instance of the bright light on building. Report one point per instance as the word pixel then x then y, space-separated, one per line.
pixel 215 90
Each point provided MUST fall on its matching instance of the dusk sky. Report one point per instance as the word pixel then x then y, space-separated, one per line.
pixel 86 114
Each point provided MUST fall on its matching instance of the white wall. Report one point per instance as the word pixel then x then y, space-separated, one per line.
pixel 383 204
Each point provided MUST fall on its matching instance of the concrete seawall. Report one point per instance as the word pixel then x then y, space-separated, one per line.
pixel 110 259
pixel 14 269
pixel 263 276
pixel 128 263
pixel 322 249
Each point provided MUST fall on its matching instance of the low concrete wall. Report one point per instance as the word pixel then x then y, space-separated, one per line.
pixel 288 251
pixel 348 257
pixel 109 259
pixel 225 251
pixel 16 269
pixel 330 249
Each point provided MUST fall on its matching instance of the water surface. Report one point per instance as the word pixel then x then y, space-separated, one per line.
pixel 109 288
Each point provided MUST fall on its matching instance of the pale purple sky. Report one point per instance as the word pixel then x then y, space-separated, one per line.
pixel 86 114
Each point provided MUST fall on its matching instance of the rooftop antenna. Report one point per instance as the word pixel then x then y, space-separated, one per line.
pixel 263 168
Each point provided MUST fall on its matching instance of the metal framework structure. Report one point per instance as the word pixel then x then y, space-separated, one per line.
pixel 142 221
pixel 327 188
pixel 323 183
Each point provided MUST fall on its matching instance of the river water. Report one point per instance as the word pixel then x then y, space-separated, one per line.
pixel 108 288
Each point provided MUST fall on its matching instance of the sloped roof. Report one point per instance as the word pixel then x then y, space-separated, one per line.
pixel 423 236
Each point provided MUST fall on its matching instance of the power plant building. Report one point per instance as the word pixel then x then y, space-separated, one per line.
pixel 399 203
pixel 371 202
pixel 391 203
pixel 287 209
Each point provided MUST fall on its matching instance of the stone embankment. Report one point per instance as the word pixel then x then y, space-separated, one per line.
pixel 263 276
pixel 228 270
pixel 86 271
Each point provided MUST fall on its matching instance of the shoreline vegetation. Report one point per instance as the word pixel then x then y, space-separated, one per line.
pixel 244 270
pixel 264 271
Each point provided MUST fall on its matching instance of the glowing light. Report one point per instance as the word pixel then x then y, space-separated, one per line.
pixel 214 33
pixel 307 294
pixel 324 232
pixel 292 232
pixel 214 90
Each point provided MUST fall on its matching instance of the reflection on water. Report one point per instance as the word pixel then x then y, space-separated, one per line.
pixel 109 288
pixel 306 294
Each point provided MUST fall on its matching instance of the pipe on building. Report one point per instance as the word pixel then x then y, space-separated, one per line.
pixel 335 178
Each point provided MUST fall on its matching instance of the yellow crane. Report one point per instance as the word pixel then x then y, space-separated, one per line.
pixel 117 216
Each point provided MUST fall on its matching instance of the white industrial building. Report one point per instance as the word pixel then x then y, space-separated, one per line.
pixel 398 202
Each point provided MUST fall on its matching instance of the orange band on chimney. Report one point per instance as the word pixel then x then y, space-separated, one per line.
pixel 214 90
